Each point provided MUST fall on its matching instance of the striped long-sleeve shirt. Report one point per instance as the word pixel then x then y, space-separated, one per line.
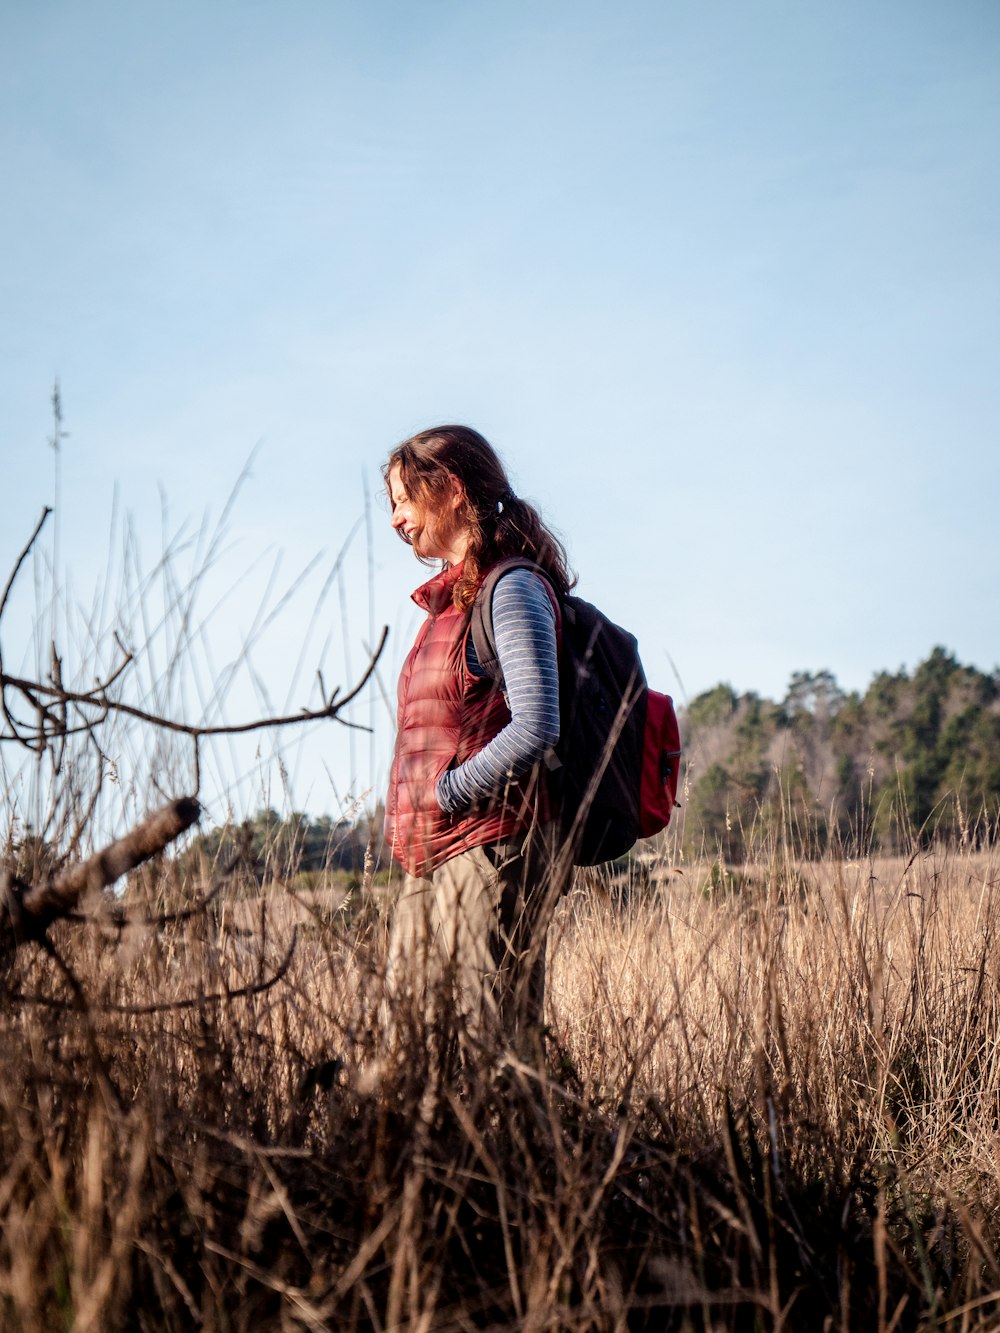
pixel 524 626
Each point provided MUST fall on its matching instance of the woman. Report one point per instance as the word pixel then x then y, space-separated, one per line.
pixel 467 811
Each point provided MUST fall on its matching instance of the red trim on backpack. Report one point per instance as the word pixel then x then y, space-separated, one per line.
pixel 661 757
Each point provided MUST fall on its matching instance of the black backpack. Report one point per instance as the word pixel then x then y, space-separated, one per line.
pixel 615 767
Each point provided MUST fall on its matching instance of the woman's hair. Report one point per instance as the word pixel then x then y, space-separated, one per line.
pixel 499 524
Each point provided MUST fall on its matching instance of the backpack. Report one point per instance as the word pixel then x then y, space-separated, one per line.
pixel 615 767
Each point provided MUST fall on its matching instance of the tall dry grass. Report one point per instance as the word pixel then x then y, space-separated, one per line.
pixel 767 1099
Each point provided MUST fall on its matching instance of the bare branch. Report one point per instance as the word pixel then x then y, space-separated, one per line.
pixel 163 1006
pixel 101 870
pixel 27 911
pixel 215 997
pixel 96 698
pixel 22 557
pixel 118 919
pixel 42 715
pixel 3 602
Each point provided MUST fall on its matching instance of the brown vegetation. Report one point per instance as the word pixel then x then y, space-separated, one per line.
pixel 769 1099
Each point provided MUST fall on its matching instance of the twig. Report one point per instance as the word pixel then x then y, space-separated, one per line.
pixel 101 870
pixel 122 920
pixel 22 557
pixel 165 1006
pixel 96 698
pixel 27 911
pixel 3 602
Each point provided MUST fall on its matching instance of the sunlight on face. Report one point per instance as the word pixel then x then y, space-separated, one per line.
pixel 434 533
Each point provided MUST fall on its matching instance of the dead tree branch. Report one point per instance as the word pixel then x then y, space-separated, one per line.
pixel 114 917
pixel 163 1006
pixel 49 702
pixel 26 911
pixel 15 734
pixel 40 715
pixel 35 692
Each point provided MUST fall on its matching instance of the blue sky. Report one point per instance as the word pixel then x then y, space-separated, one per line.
pixel 721 283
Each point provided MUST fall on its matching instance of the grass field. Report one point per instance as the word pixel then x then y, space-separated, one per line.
pixel 769 1098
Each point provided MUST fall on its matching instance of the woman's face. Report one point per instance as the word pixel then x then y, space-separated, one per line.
pixel 435 532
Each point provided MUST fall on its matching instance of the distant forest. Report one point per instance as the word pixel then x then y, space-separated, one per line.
pixel 914 756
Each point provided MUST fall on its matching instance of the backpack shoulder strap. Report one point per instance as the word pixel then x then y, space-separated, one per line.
pixel 481 623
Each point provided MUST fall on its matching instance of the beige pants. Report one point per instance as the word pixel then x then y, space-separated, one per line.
pixel 471 937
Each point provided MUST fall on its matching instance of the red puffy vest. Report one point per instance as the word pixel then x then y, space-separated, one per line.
pixel 446 715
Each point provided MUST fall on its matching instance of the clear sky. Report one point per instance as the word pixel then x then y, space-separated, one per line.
pixel 722 284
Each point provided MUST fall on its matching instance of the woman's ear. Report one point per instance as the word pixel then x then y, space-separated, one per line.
pixel 457 496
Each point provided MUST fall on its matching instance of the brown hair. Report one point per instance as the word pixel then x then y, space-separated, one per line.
pixel 500 525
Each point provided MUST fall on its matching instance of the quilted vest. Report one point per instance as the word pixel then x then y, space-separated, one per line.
pixel 445 716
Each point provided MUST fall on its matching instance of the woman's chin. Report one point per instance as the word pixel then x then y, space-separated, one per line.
pixel 425 551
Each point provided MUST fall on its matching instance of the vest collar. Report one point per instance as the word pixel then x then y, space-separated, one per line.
pixel 435 594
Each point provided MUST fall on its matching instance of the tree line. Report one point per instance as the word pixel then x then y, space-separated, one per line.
pixel 917 754
pixel 270 847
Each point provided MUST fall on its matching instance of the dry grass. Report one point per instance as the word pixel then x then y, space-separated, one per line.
pixel 769 1099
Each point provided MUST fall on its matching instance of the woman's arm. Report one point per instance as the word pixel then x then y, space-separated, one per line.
pixel 524 626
